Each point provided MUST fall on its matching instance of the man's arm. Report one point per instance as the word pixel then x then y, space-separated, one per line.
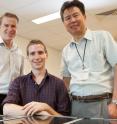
pixel 115 84
pixel 67 82
pixel 112 106
pixel 29 109
pixel 13 110
pixel 63 104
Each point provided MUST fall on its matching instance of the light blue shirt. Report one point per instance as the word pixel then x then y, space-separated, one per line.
pixel 100 59
pixel 11 65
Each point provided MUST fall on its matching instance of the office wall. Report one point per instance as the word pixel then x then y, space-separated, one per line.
pixel 53 61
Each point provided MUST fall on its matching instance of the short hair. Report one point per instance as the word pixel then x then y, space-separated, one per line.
pixel 73 3
pixel 7 14
pixel 33 42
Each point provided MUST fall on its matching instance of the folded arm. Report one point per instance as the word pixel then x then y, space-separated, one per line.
pixel 13 110
pixel 29 109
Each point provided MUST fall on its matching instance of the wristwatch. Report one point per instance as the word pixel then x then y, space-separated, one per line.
pixel 114 101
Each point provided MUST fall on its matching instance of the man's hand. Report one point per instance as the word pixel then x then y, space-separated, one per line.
pixel 35 107
pixel 112 110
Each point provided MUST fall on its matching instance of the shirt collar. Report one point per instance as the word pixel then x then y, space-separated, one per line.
pixel 14 46
pixel 46 74
pixel 1 41
pixel 88 36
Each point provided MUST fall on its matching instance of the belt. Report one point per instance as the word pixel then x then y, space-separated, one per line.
pixel 92 98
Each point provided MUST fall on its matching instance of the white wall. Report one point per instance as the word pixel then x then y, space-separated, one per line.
pixel 53 61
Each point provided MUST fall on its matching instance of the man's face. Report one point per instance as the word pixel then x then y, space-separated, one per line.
pixel 74 21
pixel 8 29
pixel 37 56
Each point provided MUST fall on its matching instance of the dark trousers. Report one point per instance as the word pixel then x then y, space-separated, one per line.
pixel 2 96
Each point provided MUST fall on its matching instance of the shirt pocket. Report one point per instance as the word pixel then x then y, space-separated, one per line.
pixel 97 62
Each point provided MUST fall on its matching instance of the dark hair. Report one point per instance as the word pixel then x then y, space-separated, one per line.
pixel 73 3
pixel 33 42
pixel 7 14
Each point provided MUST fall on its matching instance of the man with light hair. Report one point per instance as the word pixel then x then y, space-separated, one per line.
pixel 11 62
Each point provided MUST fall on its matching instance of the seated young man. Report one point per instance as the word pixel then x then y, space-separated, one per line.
pixel 37 91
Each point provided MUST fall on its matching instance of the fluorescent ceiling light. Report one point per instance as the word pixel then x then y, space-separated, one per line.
pixel 47 18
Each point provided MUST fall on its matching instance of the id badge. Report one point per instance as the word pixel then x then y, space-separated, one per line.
pixel 83 74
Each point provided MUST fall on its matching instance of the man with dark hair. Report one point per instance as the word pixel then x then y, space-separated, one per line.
pixel 11 62
pixel 37 91
pixel 88 63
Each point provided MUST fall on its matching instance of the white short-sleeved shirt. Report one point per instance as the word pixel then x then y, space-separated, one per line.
pixel 99 60
pixel 11 65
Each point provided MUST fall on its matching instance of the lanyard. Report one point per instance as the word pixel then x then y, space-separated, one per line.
pixel 82 58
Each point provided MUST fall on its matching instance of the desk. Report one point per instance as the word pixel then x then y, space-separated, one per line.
pixel 52 120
